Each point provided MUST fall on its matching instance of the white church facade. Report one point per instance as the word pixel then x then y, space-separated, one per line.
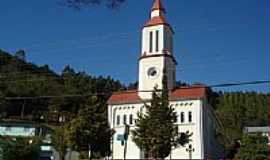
pixel 195 114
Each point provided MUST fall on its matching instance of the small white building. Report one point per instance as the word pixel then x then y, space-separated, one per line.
pixel 194 112
pixel 264 131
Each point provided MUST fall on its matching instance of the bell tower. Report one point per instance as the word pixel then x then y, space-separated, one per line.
pixel 157 56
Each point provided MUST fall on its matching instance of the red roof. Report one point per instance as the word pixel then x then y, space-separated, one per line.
pixel 158 5
pixel 156 21
pixel 196 91
pixel 124 97
pixel 191 92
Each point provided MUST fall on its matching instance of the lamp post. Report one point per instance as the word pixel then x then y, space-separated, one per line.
pixel 126 139
pixel 190 150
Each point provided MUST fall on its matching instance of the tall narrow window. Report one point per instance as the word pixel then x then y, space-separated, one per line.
pixel 131 119
pixel 182 117
pixel 157 41
pixel 118 120
pixel 189 116
pixel 151 42
pixel 125 119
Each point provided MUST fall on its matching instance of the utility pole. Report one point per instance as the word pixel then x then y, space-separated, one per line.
pixel 125 140
pixel 190 150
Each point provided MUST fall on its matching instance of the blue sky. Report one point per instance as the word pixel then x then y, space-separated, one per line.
pixel 215 42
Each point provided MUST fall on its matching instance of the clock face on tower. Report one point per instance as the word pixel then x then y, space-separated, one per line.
pixel 152 72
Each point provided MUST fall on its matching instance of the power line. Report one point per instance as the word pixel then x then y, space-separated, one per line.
pixel 240 83
pixel 135 91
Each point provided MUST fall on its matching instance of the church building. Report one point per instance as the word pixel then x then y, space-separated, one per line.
pixel 194 112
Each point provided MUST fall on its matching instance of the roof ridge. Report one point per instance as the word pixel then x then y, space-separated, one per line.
pixel 126 91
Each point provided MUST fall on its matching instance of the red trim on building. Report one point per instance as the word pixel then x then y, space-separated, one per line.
pixel 191 92
pixel 156 21
pixel 125 97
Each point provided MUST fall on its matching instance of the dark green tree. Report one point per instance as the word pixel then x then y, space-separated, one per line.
pixel 237 110
pixel 59 141
pixel 156 133
pixel 254 147
pixel 22 148
pixel 90 130
pixel 19 78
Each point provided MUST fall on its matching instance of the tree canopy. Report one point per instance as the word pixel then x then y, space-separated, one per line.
pixel 237 110
pixel 21 148
pixel 254 147
pixel 90 129
pixel 156 133
pixel 58 94
pixel 33 93
pixel 37 93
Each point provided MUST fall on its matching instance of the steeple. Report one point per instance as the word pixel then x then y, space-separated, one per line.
pixel 157 57
pixel 158 6
pixel 157 10
pixel 157 32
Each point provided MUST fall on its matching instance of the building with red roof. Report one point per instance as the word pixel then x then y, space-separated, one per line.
pixel 191 104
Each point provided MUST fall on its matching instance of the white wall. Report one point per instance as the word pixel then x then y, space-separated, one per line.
pixel 146 39
pixel 156 13
pixel 146 82
pixel 133 151
pixel 195 127
pixel 17 131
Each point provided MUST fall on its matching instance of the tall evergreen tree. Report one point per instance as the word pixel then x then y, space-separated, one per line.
pixel 156 133
pixel 90 130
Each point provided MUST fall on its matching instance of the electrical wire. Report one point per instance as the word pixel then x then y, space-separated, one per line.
pixel 136 91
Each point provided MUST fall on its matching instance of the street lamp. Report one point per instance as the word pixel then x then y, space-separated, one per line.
pixel 190 150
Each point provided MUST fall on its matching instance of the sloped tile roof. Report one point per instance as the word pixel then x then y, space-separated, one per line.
pixel 191 92
pixel 159 20
pixel 130 96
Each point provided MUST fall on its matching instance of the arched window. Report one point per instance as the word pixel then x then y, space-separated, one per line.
pixel 190 116
pixel 131 119
pixel 151 42
pixel 182 117
pixel 125 119
pixel 157 41
pixel 118 120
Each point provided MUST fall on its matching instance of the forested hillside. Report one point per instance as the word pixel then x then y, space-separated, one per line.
pixel 64 92
pixel 238 110
pixel 37 93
